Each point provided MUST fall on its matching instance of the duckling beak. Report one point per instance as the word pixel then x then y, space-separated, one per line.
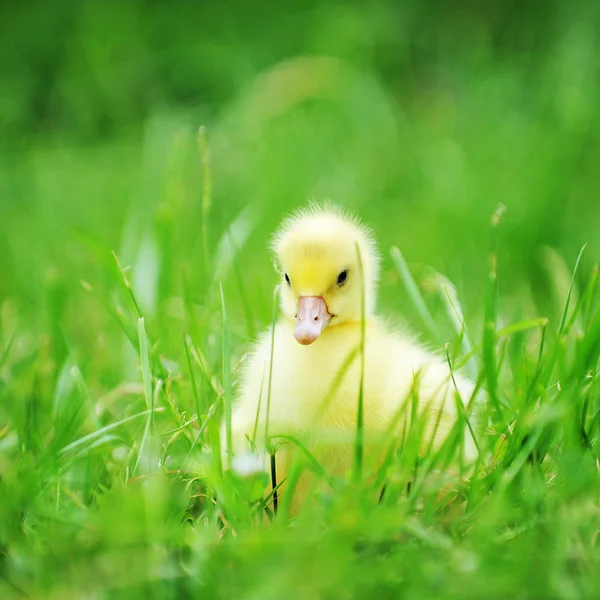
pixel 311 319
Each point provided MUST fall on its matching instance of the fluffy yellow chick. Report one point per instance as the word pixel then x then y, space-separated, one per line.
pixel 316 364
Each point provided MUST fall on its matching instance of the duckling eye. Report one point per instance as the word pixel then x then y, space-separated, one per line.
pixel 288 279
pixel 342 277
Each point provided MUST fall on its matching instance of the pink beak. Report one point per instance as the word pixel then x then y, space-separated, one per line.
pixel 311 319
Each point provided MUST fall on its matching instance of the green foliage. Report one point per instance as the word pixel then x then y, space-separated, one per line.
pixel 136 272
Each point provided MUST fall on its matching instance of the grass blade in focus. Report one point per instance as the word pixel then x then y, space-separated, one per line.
pixel 227 391
pixel 415 295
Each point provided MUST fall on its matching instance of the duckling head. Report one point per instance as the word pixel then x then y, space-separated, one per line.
pixel 319 253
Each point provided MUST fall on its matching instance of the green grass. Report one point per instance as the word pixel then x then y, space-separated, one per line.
pixel 122 493
pixel 136 274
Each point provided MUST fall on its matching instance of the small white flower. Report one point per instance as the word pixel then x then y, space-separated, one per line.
pixel 247 464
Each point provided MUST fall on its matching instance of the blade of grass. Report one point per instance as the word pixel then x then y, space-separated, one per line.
pixel 206 191
pixel 187 342
pixel 274 482
pixel 231 242
pixel 117 314
pixel 338 379
pixel 591 297
pixel 215 442
pixel 414 293
pixel 526 325
pixel 563 319
pixel 227 393
pixel 150 428
pixel 271 361
pixel 128 288
pixel 360 426
pixel 455 313
pixel 507 331
pixel 491 316
pixel 98 443
pixel 258 405
pixel 194 419
pixel 246 305
pixel 146 373
pixel 585 300
pixel 550 366
pixel 100 432
pixel 268 499
pixel 460 405
pixel 588 350
pixel 315 466
pixel 392 435
pixel 7 348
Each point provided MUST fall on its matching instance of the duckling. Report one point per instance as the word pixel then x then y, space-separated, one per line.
pixel 309 389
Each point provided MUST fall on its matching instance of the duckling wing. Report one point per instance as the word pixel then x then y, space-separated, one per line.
pixel 399 371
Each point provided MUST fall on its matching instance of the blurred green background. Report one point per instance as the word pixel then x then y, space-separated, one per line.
pixel 422 117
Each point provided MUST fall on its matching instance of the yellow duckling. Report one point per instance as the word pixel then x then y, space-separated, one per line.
pixel 329 267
